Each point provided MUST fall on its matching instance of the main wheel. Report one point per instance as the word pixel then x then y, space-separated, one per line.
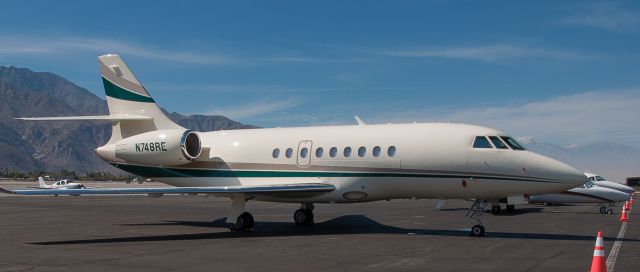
pixel 496 209
pixel 603 210
pixel 303 217
pixel 243 222
pixel 477 231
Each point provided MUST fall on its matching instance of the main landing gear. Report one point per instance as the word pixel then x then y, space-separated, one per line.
pixel 475 212
pixel 304 215
pixel 238 219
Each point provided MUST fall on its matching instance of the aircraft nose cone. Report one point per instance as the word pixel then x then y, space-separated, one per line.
pixel 545 167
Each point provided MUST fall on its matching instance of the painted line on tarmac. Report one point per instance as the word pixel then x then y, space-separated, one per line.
pixel 613 255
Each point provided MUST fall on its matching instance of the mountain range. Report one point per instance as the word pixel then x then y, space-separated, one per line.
pixel 53 146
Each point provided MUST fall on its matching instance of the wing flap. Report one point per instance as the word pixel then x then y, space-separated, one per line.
pixel 250 190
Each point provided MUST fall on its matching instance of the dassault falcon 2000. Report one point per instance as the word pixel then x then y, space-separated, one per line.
pixel 307 165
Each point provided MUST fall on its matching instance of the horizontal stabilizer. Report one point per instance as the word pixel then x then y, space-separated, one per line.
pixel 250 190
pixel 112 117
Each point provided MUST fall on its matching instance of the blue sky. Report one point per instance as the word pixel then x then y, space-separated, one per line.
pixel 563 71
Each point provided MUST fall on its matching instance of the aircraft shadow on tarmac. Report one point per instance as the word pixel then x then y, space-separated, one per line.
pixel 344 225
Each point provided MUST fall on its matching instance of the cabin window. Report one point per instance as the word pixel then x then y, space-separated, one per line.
pixel 276 153
pixel 319 152
pixel 347 152
pixel 289 152
pixel 497 142
pixel 512 143
pixel 362 151
pixel 391 151
pixel 333 152
pixel 304 152
pixel 376 151
pixel 481 142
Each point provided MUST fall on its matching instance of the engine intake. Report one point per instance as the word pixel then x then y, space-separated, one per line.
pixel 169 147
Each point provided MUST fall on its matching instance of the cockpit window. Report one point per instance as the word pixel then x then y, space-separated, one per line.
pixel 599 178
pixel 588 184
pixel 512 143
pixel 481 142
pixel 497 142
pixel 592 179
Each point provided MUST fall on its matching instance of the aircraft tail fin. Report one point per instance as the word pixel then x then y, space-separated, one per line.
pixel 126 96
pixel 41 182
pixel 132 110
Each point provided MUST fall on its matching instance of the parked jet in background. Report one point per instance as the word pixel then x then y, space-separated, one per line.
pixel 307 165
pixel 587 193
pixel 602 182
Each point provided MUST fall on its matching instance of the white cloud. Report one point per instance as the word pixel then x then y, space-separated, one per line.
pixel 20 45
pixel 256 109
pixel 605 115
pixel 606 15
pixel 487 53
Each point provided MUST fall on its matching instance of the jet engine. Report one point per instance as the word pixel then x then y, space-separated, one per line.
pixel 170 147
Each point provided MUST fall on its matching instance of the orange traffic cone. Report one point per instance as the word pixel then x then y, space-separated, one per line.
pixel 599 264
pixel 623 216
pixel 626 205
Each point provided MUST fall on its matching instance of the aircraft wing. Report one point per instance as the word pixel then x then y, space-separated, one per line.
pixel 285 189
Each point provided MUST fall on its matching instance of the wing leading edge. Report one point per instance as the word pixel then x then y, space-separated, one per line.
pixel 249 190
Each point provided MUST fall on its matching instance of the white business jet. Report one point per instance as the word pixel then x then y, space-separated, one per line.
pixel 308 165
pixel 602 182
pixel 585 194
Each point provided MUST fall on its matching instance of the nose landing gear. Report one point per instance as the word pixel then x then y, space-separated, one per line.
pixel 475 212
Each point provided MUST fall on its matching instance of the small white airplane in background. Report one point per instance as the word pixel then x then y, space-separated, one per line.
pixel 61 184
pixel 309 165
pixel 602 182
pixel 585 194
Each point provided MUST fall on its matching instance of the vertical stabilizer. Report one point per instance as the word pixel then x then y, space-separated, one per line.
pixel 126 96
pixel 41 182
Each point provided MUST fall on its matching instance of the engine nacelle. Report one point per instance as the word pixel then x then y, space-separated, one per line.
pixel 170 147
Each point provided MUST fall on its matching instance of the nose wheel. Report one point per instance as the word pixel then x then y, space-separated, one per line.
pixel 606 210
pixel 475 212
pixel 477 231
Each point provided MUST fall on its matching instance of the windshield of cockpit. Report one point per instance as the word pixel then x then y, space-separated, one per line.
pixel 599 178
pixel 588 184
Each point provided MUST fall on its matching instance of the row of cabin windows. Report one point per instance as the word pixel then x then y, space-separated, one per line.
pixel 333 152
pixel 502 142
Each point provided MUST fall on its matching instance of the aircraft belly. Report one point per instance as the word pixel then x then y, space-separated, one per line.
pixel 563 198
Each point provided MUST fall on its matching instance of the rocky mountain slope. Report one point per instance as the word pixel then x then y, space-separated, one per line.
pixel 53 146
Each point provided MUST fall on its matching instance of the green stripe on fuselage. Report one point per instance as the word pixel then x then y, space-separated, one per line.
pixel 161 172
pixel 118 92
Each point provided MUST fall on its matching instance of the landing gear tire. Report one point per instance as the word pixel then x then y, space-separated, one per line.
pixel 477 231
pixel 303 217
pixel 511 208
pixel 604 210
pixel 244 222
pixel 496 209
